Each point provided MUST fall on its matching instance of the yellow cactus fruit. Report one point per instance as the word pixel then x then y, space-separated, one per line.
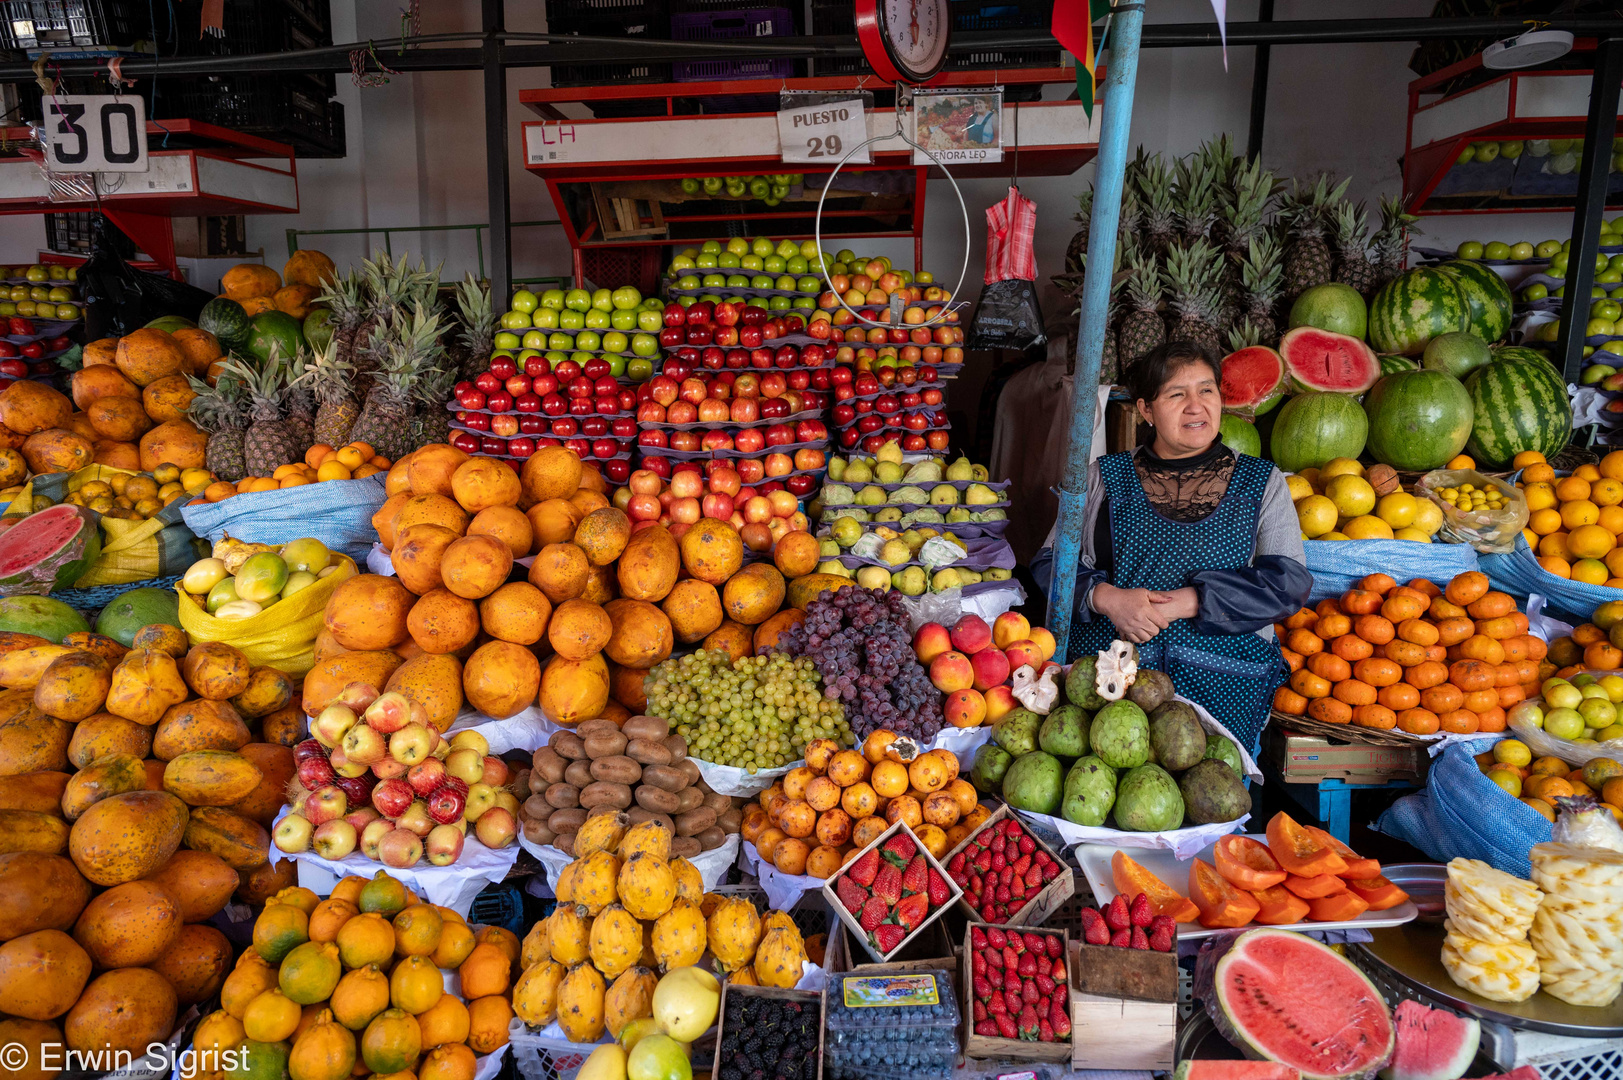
pixel 630 998
pixel 537 945
pixel 323 1051
pixel 649 836
pixel 776 919
pixel 580 1004
pixel 779 957
pixel 689 885
pixel 647 886
pixel 709 902
pixel 566 884
pixel 571 941
pixel 535 998
pixel 601 833
pixel 679 936
pixel 743 977
pixel 594 881
pixel 360 996
pixel 616 941
pixel 734 931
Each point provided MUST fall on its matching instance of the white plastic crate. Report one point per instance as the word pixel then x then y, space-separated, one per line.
pixel 539 1058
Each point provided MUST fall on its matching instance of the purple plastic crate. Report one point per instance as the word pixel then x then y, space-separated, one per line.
pixel 729 26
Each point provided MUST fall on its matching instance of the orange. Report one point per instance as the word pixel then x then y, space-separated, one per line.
pixel 1606 492
pixel 1329 667
pixel 1330 711
pixel 334 469
pixel 1396 609
pixel 1418 721
pixel 1289 701
pixel 1554 546
pixel 1587 472
pixel 1603 656
pixel 1459 722
pixel 1525 458
pixel 1571 489
pixel 1539 496
pixel 1309 685
pixel 351 458
pixel 1538 474
pixel 1426 675
pixel 1444 698
pixel 1471 675
pixel 1591 542
pixel 1461 461
pixel 1360 602
pixel 1399 696
pixel 1558 567
pixel 1588 634
pixel 1612 465
pixel 1305 641
pixel 1418 631
pixel 1611 519
pixel 1590 571
pixel 1579 513
pixel 1351 648
pixel 1377 583
pixel 1377 671
pixel 1374 629
pixel 1544 521
pixel 1375 716
pixel 1452 631
pixel 1353 692
pixel 1333 625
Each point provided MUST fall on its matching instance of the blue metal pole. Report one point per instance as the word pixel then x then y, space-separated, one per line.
pixel 1121 74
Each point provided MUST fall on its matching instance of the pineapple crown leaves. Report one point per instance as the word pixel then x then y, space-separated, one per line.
pixel 1307 211
pixel 1084 205
pixel 1154 184
pixel 412 348
pixel 217 407
pixel 1193 278
pixel 264 383
pixel 1352 226
pixel 1243 335
pixel 343 294
pixel 473 304
pixel 1246 200
pixel 1260 270
pixel 330 377
pixel 1221 160
pixel 1195 194
pixel 1142 277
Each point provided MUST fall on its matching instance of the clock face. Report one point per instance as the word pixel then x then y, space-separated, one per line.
pixel 916 34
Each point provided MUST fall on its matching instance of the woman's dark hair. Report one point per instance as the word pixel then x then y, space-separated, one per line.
pixel 1152 370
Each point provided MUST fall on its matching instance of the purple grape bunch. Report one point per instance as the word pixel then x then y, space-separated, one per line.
pixel 860 641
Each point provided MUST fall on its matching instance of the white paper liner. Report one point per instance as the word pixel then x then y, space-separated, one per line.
pixel 731 780
pixel 783 891
pixel 528 729
pixel 712 865
pixel 452 886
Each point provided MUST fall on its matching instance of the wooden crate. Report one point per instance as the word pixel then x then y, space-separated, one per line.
pixel 1113 1031
pixel 1052 896
pixel 988 1046
pixel 850 919
pixel 929 951
pixel 805 997
pixel 622 218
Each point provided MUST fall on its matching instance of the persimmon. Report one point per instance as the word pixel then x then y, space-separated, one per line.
pixel 1377 671
pixel 1418 631
pixel 1454 630
pixel 1418 721
pixel 1360 602
pixel 1467 588
pixel 1375 716
pixel 1305 642
pixel 1327 710
pixel 1399 696
pixel 1289 701
pixel 1444 697
pixel 1458 722
pixel 1351 648
pixel 1353 692
pixel 1375 629
pixel 1428 674
pixel 1329 667
pixel 1309 685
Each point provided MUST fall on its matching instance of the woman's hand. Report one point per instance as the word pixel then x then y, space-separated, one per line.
pixel 1181 603
pixel 1136 612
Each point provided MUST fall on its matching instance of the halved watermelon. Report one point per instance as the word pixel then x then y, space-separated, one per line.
pixel 1253 380
pixel 1432 1044
pixel 48 550
pixel 1234 1070
pixel 1321 360
pixel 1281 996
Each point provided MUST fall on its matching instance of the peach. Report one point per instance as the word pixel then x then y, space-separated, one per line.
pixel 1045 641
pixel 952 671
pixel 970 635
pixel 1000 702
pixel 1024 654
pixel 931 640
pixel 1009 627
pixel 990 668
pixel 964 708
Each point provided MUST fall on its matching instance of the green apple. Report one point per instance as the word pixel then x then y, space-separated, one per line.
pixel 779 303
pixel 728 261
pixel 738 246
pixel 603 299
pixel 533 339
pixel 525 300
pixel 710 247
pixel 639 369
pixel 762 246
pixel 645 344
pixel 1546 248
pixel 577 300
pixel 571 319
pixel 759 281
pixel 650 322
pixel 774 264
pixel 616 362
pixel 588 341
pixel 506 339
pixel 625 297
pixel 560 341
pixel 597 319
pixel 553 298
pixel 1496 249
pixel 523 357
pixel 546 318
pixel 795 265
pixel 623 318
pixel 688 281
pixel 1536 291
pixel 581 358
pixel 555 357
pixel 737 281
pixel 614 342
pixel 708 261
pixel 1521 250
pixel 751 262
pixel 681 262
pixel 785 282
pixel 1471 249
pixel 512 320
pixel 714 281
pixel 1594 373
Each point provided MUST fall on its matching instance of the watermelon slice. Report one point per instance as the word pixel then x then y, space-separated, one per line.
pixel 1321 360
pixel 1281 996
pixel 1433 1044
pixel 1235 1070
pixel 1253 380
pixel 48 550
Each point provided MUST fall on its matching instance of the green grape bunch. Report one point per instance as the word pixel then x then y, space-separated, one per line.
pixel 756 712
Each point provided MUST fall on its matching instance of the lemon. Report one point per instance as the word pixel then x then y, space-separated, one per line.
pixel 1369 528
pixel 1316 514
pixel 1398 509
pixel 1428 517
pixel 1512 752
pixel 1352 495
pixel 1411 533
pixel 1341 466
pixel 1300 488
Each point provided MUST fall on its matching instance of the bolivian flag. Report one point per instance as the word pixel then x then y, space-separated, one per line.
pixel 1073 27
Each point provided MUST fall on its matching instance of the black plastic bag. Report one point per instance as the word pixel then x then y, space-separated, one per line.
pixel 1007 317
pixel 120 299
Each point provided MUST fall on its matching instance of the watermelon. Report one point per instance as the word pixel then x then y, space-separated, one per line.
pixel 225 319
pixel 1324 360
pixel 1334 307
pixel 1390 363
pixel 1519 352
pixel 1253 380
pixel 1459 353
pixel 50 619
pixel 136 608
pixel 1432 1044
pixel 48 550
pixel 273 328
pixel 1518 403
pixel 1417 419
pixel 1240 435
pixel 1313 428
pixel 1487 295
pixel 170 323
pixel 1284 997
pixel 1415 307
pixel 1192 1069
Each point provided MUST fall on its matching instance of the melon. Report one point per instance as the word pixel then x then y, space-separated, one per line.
pixel 1334 307
pixel 1313 428
pixel 1459 353
pixel 1418 420
pixel 1415 307
pixel 48 550
pixel 1519 403
pixel 1284 997
pixel 50 619
pixel 1240 435
pixel 1432 1044
pixel 1253 380
pixel 1324 360
pixel 132 610
pixel 1235 1070
pixel 1487 297
pixel 170 323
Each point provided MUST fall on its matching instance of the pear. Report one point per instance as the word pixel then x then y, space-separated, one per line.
pixel 788 249
pixel 833 566
pixel 928 514
pixel 946 578
pixel 891 451
pixel 838 495
pixel 997 575
pixel 895 552
pixel 980 495
pixel 991 515
pixel 874 577
pixel 924 472
pixel 828 548
pixel 970 577
pixel 961 470
pixel 890 513
pixel 836 468
pixel 886 533
pixel 944 495
pixel 958 514
pixel 871 495
pixel 845 532
pixel 910 581
pixel 979 472
pixel 888 472
pixel 914 540
pixel 911 495
pixel 857 472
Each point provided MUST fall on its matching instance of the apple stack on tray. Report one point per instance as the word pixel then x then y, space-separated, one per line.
pixel 891 402
pixel 762 512
pixel 376 777
pixel 782 274
pixel 29 348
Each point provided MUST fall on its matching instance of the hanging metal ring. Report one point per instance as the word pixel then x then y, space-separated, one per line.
pixel 817 228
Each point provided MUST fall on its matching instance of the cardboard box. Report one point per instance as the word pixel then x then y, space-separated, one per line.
pixel 811 998
pixel 996 1047
pixel 850 918
pixel 1047 901
pixel 1112 1030
pixel 1307 759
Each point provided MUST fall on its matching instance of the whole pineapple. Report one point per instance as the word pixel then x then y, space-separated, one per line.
pixel 268 444
pixel 299 405
pixel 410 348
pixel 1304 214
pixel 1353 267
pixel 1260 276
pixel 218 410
pixel 1158 222
pixel 1390 245
pixel 1193 277
pixel 345 298
pixel 331 381
pixel 431 421
pixel 1141 327
pixel 1245 205
pixel 470 352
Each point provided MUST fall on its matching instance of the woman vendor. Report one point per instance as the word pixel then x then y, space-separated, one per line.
pixel 1189 549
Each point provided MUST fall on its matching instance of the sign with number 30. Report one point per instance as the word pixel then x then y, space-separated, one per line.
pixel 95 134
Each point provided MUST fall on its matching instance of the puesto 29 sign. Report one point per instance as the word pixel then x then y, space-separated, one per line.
pixel 95 134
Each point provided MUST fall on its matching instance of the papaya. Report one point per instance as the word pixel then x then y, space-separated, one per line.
pixel 145 685
pixel 42 974
pixel 210 777
pixel 39 892
pixel 103 778
pixel 284 727
pixel 26 830
pixel 324 681
pixel 216 671
pixel 37 791
pixel 102 734
pixel 242 843
pixel 127 1009
pixel 196 963
pixel 276 770
pixel 129 925
pixel 803 590
pixel 203 724
pixel 433 681
pixel 127 836
pixel 30 741
pixel 103 646
pixel 38 1039
pixel 74 686
pixel 199 883
pixel 20 669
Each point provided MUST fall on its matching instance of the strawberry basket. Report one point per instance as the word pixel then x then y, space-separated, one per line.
pixel 886 895
pixel 1016 993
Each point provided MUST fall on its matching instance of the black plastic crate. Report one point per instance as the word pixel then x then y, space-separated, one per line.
pixel 288 110
pixel 988 59
pixel 252 27
pixel 733 25
pixel 608 18
pixel 609 72
pixel 63 24
pixel 976 15
pixel 69 233
pixel 797 11
pixel 637 21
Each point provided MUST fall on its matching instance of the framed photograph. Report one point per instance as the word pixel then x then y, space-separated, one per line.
pixel 958 125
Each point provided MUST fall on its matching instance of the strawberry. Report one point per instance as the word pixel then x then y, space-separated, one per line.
pixel 1005 875
pixel 916 878
pixel 998 861
pixel 980 1011
pixel 1057 973
pixel 1045 985
pixel 1050 872
pixel 1045 1031
pixel 852 895
pixel 937 889
pixel 1014 1001
pixel 1089 916
pixel 997 1006
pixel 983 861
pixel 1139 939
pixel 1141 913
pixel 1021 865
pixel 1035 943
pixel 1011 827
pixel 1116 915
pixel 1034 879
pixel 1017 889
pixel 899 850
pixel 1005 1027
pixel 989 912
pixel 1096 933
pixel 1162 938
pixel 983 989
pixel 977 937
pixel 1060 1020
pixel 911 910
pixel 1121 939
pixel 887 884
pixel 987 1027
pixel 1164 921
pixel 1053 945
pixel 1028 1023
pixel 995 938
pixel 863 870
pixel 1027 966
pixel 994 958
pixel 1029 992
pixel 957 863
pixel 887 936
pixel 1011 958
pixel 874 912
pixel 979 964
pixel 975 884
pixel 1011 981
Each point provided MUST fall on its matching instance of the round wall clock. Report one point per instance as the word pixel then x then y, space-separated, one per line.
pixel 904 40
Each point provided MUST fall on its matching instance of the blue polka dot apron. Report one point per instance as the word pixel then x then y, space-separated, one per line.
pixel 1232 675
